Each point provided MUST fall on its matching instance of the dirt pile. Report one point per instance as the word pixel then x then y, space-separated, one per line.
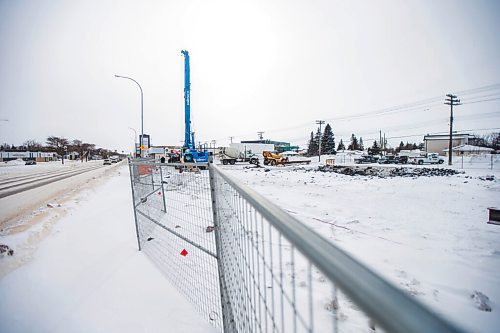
pixel 387 172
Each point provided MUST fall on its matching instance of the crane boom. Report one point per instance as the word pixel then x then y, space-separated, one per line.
pixel 187 106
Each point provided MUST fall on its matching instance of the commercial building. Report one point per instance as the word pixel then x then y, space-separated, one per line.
pixel 438 143
pixel 279 146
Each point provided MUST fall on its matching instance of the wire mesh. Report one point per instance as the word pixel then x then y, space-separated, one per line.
pixel 175 229
pixel 270 285
pixel 249 267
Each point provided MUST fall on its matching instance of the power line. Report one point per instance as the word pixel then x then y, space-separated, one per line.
pixel 484 100
pixel 480 89
pixel 420 105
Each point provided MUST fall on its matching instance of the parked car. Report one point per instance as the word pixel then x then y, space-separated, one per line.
pixel 401 160
pixel 366 159
pixel 107 161
pixel 30 162
pixel 389 159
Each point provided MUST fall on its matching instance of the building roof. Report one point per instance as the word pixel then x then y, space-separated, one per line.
pixel 470 149
pixel 447 136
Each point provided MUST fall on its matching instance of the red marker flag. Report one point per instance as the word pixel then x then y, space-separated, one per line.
pixel 184 252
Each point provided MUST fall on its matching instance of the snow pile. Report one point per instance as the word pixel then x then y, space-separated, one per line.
pixel 384 172
pixel 12 163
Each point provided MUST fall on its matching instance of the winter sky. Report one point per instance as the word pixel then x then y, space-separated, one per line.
pixel 271 66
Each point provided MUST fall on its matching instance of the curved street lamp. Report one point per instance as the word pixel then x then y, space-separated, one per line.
pixel 135 141
pixel 142 110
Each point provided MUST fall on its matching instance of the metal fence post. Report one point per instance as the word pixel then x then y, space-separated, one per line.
pixel 227 313
pixel 133 203
pixel 162 190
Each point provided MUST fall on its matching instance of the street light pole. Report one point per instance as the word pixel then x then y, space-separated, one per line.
pixel 142 110
pixel 135 141
pixel 3 120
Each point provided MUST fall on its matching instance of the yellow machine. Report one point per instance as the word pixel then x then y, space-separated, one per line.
pixel 272 159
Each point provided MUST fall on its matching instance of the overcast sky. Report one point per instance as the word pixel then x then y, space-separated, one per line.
pixel 271 66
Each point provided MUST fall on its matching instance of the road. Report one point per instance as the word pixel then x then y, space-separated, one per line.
pixel 23 189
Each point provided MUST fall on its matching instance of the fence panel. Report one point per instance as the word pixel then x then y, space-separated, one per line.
pixel 174 222
pixel 247 266
pixel 280 276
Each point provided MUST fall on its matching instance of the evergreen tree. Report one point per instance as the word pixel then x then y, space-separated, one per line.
pixel 328 141
pixel 312 148
pixel 341 145
pixel 317 141
pixel 401 146
pixel 354 145
pixel 375 149
pixel 361 145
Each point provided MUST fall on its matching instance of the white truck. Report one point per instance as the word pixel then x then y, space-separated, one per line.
pixel 429 158
pixel 231 155
pixel 243 152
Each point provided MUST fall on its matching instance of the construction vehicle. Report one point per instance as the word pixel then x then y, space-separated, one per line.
pixel 273 159
pixel 189 152
pixel 231 155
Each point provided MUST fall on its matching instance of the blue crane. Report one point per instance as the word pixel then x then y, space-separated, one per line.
pixel 189 150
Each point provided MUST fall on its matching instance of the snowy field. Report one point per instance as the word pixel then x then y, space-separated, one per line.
pixel 76 267
pixel 427 235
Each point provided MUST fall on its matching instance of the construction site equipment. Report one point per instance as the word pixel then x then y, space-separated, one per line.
pixel 189 152
pixel 273 159
pixel 231 155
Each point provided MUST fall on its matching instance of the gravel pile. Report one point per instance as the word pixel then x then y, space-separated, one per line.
pixel 387 172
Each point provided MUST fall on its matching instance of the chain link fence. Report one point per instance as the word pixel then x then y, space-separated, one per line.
pixel 247 266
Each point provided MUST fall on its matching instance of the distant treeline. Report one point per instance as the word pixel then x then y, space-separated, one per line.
pixel 59 145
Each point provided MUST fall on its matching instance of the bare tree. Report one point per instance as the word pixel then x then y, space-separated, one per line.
pixel 32 145
pixel 57 143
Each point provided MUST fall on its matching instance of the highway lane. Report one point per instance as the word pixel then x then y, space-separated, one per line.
pixel 25 183
pixel 25 190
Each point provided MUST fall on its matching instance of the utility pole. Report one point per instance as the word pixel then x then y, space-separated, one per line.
pixel 231 138
pixel 451 100
pixel 385 145
pixel 213 143
pixel 260 135
pixel 319 122
pixel 381 146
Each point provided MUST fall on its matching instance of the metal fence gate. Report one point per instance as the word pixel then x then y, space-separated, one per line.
pixel 247 266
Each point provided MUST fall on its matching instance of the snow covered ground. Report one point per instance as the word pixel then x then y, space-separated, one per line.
pixel 78 268
pixel 428 235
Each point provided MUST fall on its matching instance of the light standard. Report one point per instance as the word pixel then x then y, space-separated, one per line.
pixel 135 141
pixel 64 152
pixel 4 120
pixel 142 111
